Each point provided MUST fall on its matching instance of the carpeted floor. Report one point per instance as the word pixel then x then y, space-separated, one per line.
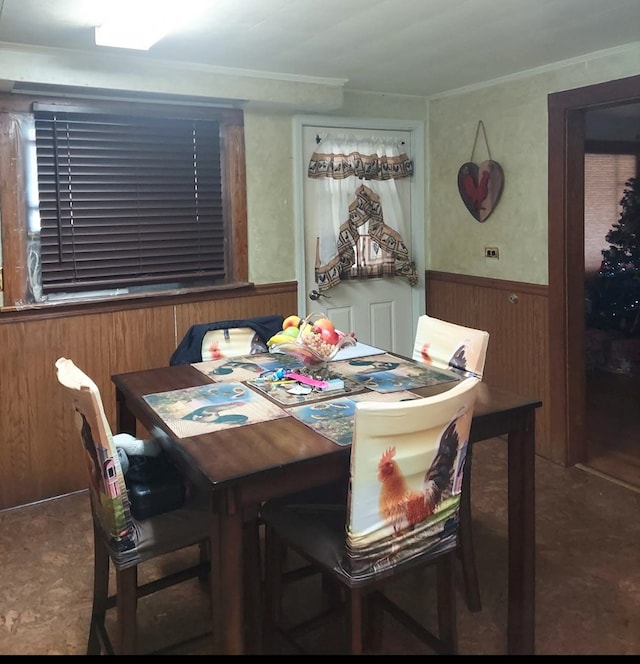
pixel 587 583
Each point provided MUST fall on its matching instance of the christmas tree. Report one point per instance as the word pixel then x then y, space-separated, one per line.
pixel 617 293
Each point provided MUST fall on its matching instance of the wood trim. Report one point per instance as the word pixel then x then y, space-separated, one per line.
pixel 566 255
pixel 234 181
pixel 13 315
pixel 487 282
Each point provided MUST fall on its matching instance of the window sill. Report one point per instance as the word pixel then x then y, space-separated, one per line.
pixel 103 304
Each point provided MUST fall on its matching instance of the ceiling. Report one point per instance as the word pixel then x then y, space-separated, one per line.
pixel 413 47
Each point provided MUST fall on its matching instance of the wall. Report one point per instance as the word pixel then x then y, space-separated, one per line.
pixel 38 454
pixel 514 113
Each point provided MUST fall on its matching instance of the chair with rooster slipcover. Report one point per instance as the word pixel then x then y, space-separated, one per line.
pixel 119 539
pixel 226 338
pixel 400 513
pixel 463 349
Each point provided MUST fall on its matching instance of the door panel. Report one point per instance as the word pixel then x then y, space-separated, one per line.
pixel 381 312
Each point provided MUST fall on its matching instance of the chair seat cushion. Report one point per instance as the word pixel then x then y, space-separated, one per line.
pixel 162 534
pixel 310 528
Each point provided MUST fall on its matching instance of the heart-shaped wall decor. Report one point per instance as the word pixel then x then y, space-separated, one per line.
pixel 480 187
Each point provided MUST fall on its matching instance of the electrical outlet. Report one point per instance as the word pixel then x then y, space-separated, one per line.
pixel 491 252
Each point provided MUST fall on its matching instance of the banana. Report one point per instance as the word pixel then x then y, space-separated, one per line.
pixel 280 338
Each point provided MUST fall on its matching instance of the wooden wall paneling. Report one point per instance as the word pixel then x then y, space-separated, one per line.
pixel 277 299
pixel 515 315
pixel 40 455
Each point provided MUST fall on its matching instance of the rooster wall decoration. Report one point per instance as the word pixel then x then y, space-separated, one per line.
pixel 480 185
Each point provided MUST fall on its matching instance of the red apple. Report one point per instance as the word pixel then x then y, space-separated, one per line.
pixel 324 324
pixel 329 336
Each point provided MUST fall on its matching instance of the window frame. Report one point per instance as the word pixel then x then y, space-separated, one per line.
pixel 13 208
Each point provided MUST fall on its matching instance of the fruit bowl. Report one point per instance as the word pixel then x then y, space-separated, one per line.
pixel 313 347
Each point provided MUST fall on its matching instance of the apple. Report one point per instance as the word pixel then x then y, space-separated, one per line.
pixel 324 324
pixel 329 336
pixel 290 331
pixel 291 321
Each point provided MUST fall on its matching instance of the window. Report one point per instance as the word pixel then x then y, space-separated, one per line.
pixel 604 184
pixel 125 199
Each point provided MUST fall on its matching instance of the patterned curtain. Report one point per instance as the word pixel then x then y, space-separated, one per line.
pixel 361 228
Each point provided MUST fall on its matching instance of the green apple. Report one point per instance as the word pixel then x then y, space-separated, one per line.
pixel 290 332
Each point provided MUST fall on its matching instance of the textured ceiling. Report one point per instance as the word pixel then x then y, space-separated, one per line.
pixel 415 47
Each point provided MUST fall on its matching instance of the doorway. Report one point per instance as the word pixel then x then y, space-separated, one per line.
pixel 567 374
pixel 379 311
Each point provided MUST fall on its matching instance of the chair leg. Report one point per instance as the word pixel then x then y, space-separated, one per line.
pixel 272 607
pixel 97 630
pixel 447 619
pixel 373 621
pixel 205 557
pixel 253 586
pixel 127 608
pixel 354 621
pixel 466 551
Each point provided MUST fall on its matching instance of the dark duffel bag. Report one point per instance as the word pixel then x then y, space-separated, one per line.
pixel 154 486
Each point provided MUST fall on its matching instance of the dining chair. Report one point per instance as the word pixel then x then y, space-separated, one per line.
pixel 226 338
pixel 399 514
pixel 463 349
pixel 119 539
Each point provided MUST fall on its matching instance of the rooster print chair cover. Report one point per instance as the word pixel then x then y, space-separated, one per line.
pixel 447 345
pixel 407 462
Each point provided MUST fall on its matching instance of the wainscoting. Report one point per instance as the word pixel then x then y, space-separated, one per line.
pixel 515 315
pixel 38 446
pixel 39 454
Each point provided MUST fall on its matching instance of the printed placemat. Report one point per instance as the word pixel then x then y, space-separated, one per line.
pixel 246 367
pixel 289 392
pixel 388 373
pixel 194 411
pixel 334 418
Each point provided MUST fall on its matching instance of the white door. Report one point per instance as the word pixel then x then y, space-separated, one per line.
pixel 381 312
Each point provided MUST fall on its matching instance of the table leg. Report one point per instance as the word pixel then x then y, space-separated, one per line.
pixel 231 581
pixel 522 543
pixel 125 420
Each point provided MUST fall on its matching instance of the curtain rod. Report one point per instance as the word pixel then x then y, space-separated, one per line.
pixel 318 139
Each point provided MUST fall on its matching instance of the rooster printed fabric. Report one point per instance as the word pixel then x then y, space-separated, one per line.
pixel 405 495
pixel 446 345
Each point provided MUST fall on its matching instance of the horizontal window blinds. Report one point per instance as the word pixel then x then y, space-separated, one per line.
pixel 128 200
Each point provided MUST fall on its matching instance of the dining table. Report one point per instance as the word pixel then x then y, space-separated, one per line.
pixel 272 453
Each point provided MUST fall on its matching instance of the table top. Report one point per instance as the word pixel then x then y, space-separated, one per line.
pixel 229 455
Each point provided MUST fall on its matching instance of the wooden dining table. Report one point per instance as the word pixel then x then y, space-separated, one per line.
pixel 242 466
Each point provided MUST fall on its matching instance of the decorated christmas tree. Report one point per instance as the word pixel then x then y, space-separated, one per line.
pixel 617 302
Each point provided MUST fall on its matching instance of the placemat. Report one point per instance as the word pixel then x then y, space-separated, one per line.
pixel 388 373
pixel 193 411
pixel 334 418
pixel 246 367
pixel 285 392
